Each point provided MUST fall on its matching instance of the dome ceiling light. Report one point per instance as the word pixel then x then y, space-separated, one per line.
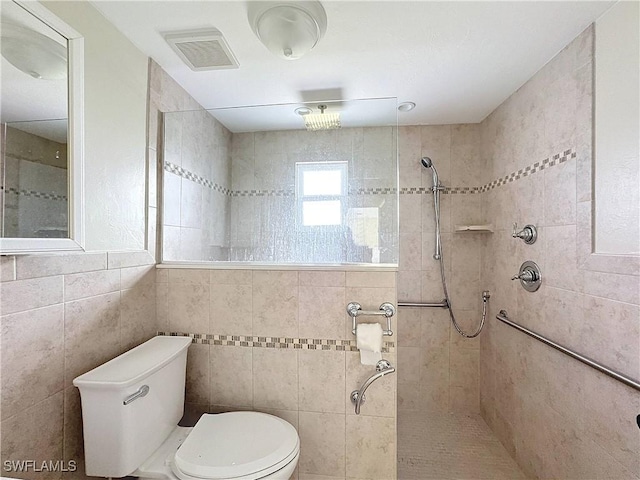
pixel 288 29
pixel 406 106
pixel 35 54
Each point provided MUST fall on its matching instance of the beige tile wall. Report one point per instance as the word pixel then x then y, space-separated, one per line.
pixel 308 388
pixel 438 369
pixel 201 145
pixel 557 417
pixel 61 316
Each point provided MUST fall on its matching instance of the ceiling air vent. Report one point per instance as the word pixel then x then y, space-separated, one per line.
pixel 202 49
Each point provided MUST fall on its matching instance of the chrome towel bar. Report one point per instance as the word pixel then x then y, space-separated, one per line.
pixel 442 304
pixel 503 317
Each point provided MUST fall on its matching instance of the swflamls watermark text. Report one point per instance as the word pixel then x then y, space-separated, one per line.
pixel 39 466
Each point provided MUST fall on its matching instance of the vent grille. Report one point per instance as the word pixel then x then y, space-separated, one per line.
pixel 202 50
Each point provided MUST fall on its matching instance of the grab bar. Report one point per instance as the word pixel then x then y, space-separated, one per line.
pixel 383 367
pixel 442 304
pixel 504 317
pixel 354 309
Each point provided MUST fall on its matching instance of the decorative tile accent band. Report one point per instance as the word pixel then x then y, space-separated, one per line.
pixel 523 172
pixel 184 173
pixel 33 193
pixel 556 159
pixel 262 193
pixel 275 342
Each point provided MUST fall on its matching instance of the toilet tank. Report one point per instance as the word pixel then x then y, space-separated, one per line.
pixel 119 437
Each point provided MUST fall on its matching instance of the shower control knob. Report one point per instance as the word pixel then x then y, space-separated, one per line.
pixel 526 276
pixel 529 276
pixel 529 234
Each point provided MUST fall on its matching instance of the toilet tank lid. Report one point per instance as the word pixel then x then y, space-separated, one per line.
pixel 134 365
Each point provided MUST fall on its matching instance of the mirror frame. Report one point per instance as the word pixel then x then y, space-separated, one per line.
pixel 75 139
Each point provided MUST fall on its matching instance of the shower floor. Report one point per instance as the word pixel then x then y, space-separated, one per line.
pixel 451 446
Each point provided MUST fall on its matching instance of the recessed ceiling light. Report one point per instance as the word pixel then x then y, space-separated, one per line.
pixel 303 111
pixel 406 106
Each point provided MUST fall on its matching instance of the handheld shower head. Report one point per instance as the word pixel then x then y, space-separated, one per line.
pixel 427 163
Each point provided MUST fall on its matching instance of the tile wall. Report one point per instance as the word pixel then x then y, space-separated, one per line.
pixel 197 177
pixel 34 186
pixel 438 369
pixel 257 330
pixel 557 417
pixel 63 315
pixel 280 342
pixel 264 224
pixel 60 316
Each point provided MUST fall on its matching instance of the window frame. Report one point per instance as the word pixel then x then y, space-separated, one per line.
pixel 301 168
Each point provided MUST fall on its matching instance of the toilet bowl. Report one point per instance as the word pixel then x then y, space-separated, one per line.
pixel 131 406
pixel 235 445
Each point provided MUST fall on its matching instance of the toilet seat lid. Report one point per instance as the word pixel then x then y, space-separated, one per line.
pixel 236 444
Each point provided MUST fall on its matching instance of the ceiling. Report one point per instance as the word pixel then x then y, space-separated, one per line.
pixel 456 60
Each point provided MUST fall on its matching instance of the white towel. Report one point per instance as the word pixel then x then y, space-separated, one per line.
pixel 369 341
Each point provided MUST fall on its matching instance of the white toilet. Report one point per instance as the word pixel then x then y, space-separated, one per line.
pixel 130 409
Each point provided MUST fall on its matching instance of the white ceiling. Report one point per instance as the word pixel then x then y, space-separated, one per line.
pixel 456 60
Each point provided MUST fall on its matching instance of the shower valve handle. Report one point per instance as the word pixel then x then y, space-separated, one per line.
pixel 526 276
pixel 528 234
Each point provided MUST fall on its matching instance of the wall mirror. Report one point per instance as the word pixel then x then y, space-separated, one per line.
pixel 292 184
pixel 41 131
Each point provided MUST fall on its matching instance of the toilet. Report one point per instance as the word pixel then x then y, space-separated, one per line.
pixel 131 407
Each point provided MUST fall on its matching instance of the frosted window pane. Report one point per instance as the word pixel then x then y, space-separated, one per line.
pixel 322 182
pixel 324 212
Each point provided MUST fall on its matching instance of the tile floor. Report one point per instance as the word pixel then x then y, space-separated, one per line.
pixel 451 446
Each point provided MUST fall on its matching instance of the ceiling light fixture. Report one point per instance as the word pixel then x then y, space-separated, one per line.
pixel 322 120
pixel 33 53
pixel 288 29
pixel 303 111
pixel 406 106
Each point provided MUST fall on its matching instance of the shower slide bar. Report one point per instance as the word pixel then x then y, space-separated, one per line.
pixel 504 317
pixel 442 304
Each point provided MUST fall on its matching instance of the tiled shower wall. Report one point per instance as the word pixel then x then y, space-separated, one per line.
pixel 280 342
pixel 438 369
pixel 63 315
pixel 557 417
pixel 34 190
pixel 264 225
pixel 197 177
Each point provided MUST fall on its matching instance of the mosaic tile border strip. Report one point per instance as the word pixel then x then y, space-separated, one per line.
pixel 275 342
pixel 33 193
pixel 556 159
pixel 184 173
pixel 447 190
pixel 262 193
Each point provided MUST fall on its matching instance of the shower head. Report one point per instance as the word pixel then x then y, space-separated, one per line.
pixel 427 163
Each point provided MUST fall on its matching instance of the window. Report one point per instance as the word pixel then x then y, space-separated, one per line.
pixel 321 191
